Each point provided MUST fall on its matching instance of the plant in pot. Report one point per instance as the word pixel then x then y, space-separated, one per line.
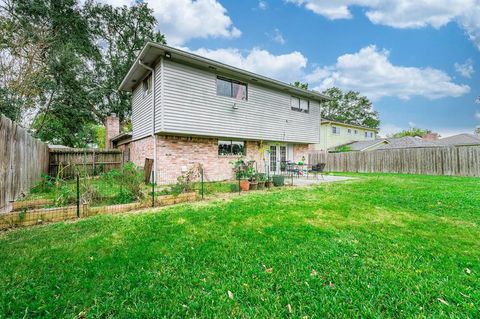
pixel 261 180
pixel 269 182
pixel 242 174
pixel 252 179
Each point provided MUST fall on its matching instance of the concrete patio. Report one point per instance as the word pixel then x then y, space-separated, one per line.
pixel 312 180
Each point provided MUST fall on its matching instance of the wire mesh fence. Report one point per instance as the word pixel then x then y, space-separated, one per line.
pixel 58 198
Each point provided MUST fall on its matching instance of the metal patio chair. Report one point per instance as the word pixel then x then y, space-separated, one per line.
pixel 318 169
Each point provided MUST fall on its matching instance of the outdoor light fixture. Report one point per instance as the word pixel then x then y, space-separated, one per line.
pixel 235 106
pixel 168 55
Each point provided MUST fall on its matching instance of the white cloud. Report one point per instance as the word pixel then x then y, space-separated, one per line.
pixel 262 4
pixel 405 13
pixel 182 20
pixel 412 124
pixel 466 69
pixel 277 36
pixel 370 72
pixel 285 67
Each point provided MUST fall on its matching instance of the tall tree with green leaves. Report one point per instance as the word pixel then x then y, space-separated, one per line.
pixel 301 85
pixel 50 44
pixel 349 107
pixel 65 61
pixel 120 32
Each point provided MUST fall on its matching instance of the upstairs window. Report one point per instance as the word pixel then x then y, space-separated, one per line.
pixel 349 131
pixel 300 105
pixel 147 85
pixel 231 148
pixel 335 130
pixel 231 88
pixel 356 132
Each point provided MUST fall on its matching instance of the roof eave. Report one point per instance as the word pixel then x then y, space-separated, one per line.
pixel 257 77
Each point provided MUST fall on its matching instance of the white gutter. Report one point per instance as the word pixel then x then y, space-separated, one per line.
pixel 154 137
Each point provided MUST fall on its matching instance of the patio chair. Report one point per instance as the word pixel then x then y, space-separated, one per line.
pixel 318 169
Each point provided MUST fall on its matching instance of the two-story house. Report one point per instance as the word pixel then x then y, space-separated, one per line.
pixel 188 109
pixel 335 133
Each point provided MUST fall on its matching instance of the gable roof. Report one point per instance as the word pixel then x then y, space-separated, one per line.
pixel 407 142
pixel 328 121
pixel 360 146
pixel 151 52
pixel 459 139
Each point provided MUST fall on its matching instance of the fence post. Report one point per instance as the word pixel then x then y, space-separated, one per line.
pixel 78 196
pixel 202 180
pixel 238 175
pixel 153 192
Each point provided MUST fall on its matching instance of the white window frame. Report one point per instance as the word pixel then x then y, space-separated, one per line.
pixel 296 104
pixel 147 85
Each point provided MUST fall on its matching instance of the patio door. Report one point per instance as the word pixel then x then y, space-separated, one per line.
pixel 279 154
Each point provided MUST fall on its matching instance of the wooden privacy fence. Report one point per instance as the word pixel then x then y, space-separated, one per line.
pixel 69 161
pixel 454 161
pixel 22 161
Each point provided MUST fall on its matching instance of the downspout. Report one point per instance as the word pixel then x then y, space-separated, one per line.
pixel 154 137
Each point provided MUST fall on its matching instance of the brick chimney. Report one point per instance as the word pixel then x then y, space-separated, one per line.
pixel 431 136
pixel 112 129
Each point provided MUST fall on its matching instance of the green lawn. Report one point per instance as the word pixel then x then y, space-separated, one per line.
pixel 380 246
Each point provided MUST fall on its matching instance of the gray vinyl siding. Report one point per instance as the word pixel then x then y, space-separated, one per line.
pixel 191 106
pixel 142 112
pixel 188 104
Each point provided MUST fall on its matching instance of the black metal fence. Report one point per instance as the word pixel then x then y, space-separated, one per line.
pixel 57 198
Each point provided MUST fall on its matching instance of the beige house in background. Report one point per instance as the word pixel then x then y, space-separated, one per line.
pixel 334 133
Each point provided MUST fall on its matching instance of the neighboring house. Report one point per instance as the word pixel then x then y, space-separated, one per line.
pixel 388 143
pixel 407 142
pixel 203 111
pixel 460 140
pixel 334 133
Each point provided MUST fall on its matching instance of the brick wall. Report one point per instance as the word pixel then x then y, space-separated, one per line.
pixel 300 152
pixel 175 155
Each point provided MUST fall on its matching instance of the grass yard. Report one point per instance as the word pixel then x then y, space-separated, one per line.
pixel 380 246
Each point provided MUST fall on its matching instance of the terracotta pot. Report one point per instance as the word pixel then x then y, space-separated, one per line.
pixel 269 184
pixel 261 185
pixel 244 185
pixel 253 186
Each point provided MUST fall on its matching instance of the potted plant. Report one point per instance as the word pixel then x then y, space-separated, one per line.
pixel 261 179
pixel 242 173
pixel 269 182
pixel 253 181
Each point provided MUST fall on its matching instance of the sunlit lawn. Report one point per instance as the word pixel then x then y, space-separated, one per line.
pixel 379 246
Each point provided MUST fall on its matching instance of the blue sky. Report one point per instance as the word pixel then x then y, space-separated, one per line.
pixel 416 60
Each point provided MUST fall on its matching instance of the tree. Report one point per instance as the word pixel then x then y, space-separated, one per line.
pixel 50 45
pixel 301 85
pixel 414 132
pixel 64 62
pixel 121 32
pixel 349 107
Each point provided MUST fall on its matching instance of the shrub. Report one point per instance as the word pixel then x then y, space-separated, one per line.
pixel 46 184
pixel 185 183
